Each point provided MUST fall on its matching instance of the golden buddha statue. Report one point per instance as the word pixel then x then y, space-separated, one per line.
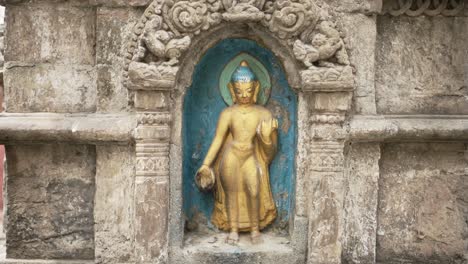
pixel 237 163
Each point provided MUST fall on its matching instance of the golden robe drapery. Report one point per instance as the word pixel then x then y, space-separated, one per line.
pixel 264 154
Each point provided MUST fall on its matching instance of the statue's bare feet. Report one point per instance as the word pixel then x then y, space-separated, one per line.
pixel 256 237
pixel 232 238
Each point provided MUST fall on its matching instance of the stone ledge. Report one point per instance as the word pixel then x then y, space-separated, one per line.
pixel 408 127
pixel 102 128
pixel 211 249
pixel 86 128
pixel 32 261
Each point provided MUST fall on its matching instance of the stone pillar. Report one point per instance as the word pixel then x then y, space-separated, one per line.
pixel 326 201
pixel 361 200
pixel 329 104
pixel 152 174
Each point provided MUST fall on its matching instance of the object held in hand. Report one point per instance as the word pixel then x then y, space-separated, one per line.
pixel 205 179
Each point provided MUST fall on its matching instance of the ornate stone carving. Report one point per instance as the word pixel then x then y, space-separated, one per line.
pixel 156 118
pixel 327 156
pixel 328 78
pixel 149 77
pixel 325 47
pixel 152 159
pixel 425 7
pixel 167 27
pixel 163 45
pixel 192 16
pixel 291 18
pixel 243 10
pixel 331 118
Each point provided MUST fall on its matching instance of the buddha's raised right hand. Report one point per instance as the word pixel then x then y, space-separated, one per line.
pixel 266 128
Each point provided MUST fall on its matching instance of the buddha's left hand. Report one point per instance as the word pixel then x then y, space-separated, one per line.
pixel 267 127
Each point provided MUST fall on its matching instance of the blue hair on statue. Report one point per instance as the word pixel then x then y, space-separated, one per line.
pixel 243 73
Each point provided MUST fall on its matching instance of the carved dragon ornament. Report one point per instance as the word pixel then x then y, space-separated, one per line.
pixel 167 27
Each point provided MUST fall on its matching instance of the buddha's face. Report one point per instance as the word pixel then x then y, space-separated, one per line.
pixel 244 92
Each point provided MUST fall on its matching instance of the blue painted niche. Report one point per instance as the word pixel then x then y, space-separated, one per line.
pixel 202 106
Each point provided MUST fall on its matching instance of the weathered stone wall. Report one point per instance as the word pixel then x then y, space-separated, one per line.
pixel 50 194
pixel 90 179
pixel 421 65
pixel 423 203
pixel 66 57
pixel 50 58
pixel 113 207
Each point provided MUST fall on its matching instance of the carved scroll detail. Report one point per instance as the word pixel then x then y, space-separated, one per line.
pixel 167 28
pixel 426 7
pixel 290 18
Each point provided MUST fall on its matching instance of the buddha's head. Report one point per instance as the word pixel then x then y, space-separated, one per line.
pixel 244 86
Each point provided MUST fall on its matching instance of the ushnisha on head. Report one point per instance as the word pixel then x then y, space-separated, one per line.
pixel 244 86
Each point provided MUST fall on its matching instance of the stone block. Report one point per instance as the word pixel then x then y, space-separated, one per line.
pixel 423 209
pixel 332 102
pixel 113 29
pixel 112 96
pixel 362 173
pixel 421 65
pixel 48 32
pixel 361 34
pixel 161 133
pixel 326 219
pixel 151 213
pixel 114 204
pixel 50 193
pixel 152 100
pixel 50 88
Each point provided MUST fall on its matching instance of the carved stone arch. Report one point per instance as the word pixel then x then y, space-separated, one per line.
pixel 258 33
pixel 167 28
pixel 158 69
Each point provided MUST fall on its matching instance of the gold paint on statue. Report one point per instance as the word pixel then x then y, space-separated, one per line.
pixel 237 163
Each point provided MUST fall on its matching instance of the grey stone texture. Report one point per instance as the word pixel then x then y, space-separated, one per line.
pixel 361 200
pixel 50 193
pixel 421 65
pixel 423 203
pixel 113 26
pixel 361 35
pixel 114 225
pixel 50 50
pixel 94 94
pixel 40 88
pixel 49 32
